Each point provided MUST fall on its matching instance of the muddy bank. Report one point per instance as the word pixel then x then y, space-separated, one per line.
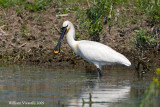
pixel 30 37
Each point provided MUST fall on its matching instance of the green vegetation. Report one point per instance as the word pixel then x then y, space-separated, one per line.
pixel 9 3
pixel 97 17
pixel 25 32
pixel 96 11
pixel 97 14
pixel 105 11
pixel 145 44
pixel 144 39
pixel 34 5
pixel 37 5
pixel 151 8
pixel 152 92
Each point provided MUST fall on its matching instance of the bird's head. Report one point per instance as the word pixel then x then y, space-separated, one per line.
pixel 67 25
pixel 65 28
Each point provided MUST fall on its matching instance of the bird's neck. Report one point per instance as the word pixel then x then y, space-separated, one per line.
pixel 70 39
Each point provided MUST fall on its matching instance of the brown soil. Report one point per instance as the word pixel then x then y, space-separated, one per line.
pixel 32 36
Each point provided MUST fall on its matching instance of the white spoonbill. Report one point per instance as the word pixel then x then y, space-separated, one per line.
pixel 91 51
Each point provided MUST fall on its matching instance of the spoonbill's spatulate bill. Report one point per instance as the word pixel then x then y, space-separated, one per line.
pixel 91 51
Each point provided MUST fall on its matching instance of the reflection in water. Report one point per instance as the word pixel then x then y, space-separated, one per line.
pixel 66 87
pixel 102 95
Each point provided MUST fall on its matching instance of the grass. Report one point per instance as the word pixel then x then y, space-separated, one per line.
pixel 98 15
pixel 98 8
pixel 9 3
pixel 2 20
pixel 151 8
pixel 91 18
pixel 145 44
pixel 144 39
pixel 36 5
pixel 25 32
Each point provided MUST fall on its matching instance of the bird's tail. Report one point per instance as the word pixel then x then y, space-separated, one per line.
pixel 123 60
pixel 126 61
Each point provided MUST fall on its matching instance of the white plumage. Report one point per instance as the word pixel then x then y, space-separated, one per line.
pixel 100 54
pixel 94 52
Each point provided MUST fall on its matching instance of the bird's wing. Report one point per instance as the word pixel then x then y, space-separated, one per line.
pixel 94 51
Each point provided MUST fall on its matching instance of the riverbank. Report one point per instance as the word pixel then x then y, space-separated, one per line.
pixel 29 33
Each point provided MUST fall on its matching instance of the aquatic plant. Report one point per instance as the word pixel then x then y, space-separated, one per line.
pixel 90 100
pixel 152 92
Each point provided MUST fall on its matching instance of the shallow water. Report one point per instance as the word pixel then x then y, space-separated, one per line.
pixel 41 86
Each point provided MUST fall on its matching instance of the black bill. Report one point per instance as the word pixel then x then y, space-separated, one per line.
pixel 58 46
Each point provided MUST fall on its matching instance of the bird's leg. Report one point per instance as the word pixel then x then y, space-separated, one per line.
pixel 99 70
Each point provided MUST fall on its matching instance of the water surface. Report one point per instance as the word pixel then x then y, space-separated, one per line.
pixel 42 86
